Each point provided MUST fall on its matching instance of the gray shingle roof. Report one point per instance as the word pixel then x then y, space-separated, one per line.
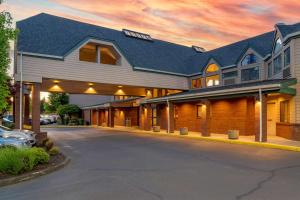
pixel 56 36
pixel 288 29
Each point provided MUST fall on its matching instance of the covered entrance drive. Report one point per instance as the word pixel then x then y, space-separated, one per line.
pixel 124 112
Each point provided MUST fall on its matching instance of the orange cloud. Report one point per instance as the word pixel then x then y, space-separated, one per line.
pixel 206 23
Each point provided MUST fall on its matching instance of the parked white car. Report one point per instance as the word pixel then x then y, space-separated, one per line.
pixel 27 136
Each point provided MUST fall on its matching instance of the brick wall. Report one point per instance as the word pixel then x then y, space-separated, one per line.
pixel 94 117
pixel 236 114
pixel 121 114
pixel 186 116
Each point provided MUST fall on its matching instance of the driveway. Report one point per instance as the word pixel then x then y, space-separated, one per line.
pixel 107 164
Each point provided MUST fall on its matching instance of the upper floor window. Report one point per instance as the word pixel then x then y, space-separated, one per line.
pixel 88 53
pixel 98 53
pixel 231 74
pixel 278 45
pixel 196 83
pixel 212 68
pixel 287 57
pixel 212 80
pixel 277 64
pixel 249 59
pixel 250 74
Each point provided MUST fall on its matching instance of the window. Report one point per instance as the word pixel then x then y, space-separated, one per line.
pixel 199 111
pixel 196 83
pixel 88 53
pixel 277 64
pixel 107 56
pixel 135 34
pixel 154 117
pixel 250 74
pixel 278 45
pixel 249 59
pixel 212 80
pixel 270 70
pixel 284 111
pixel 212 68
pixel 287 57
pixel 229 74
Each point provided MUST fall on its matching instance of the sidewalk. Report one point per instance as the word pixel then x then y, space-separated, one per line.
pixel 273 141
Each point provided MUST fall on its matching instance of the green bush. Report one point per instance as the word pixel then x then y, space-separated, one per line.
pixel 15 161
pixel 54 151
pixel 73 122
pixel 80 121
pixel 49 144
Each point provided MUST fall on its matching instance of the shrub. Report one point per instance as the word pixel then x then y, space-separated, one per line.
pixel 80 121
pixel 54 151
pixel 11 161
pixel 73 122
pixel 15 161
pixel 49 144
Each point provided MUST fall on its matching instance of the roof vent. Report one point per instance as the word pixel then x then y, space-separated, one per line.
pixel 198 49
pixel 280 23
pixel 138 35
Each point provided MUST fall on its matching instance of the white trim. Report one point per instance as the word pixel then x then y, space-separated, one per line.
pixel 260 115
pixel 21 91
pixel 160 71
pixel 228 66
pixel 41 55
pixel 217 93
pixel 267 56
pixel 290 35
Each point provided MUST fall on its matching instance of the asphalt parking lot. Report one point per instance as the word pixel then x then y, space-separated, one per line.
pixel 109 164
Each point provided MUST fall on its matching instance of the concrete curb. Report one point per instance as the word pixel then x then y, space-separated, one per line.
pixel 65 126
pixel 32 175
pixel 210 139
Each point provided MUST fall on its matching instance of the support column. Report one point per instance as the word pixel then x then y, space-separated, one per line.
pixel 148 117
pixel 261 135
pixel 17 106
pixel 111 116
pixel 26 109
pixel 36 112
pixel 171 120
pixel 97 117
pixel 206 123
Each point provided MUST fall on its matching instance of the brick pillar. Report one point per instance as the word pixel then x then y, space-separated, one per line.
pixel 148 117
pixel 141 117
pixel 171 122
pixel 36 112
pixel 205 129
pixel 26 108
pixel 111 116
pixel 262 126
pixel 17 106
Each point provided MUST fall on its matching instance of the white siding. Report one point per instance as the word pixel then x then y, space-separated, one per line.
pixel 34 69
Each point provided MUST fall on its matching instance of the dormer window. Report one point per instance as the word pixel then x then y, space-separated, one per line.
pixel 249 59
pixel 278 46
pixel 212 75
pixel 99 53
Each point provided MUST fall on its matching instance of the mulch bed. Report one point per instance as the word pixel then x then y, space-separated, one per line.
pixel 54 160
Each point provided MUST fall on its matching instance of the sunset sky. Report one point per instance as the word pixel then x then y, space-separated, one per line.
pixel 206 23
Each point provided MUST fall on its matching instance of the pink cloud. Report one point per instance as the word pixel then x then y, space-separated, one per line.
pixel 204 23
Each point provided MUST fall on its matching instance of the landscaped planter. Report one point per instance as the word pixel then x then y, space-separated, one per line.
pixel 233 134
pixel 184 131
pixel 156 128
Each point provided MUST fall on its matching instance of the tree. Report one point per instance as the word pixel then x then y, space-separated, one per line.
pixel 7 34
pixel 69 110
pixel 56 100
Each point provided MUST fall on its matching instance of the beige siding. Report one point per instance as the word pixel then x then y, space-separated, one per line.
pixel 34 69
pixel 295 56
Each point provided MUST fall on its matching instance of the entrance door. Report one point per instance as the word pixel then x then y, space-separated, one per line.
pixel 271 119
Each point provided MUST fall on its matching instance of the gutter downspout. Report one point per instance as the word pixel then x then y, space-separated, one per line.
pixel 260 115
pixel 168 112
pixel 21 91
